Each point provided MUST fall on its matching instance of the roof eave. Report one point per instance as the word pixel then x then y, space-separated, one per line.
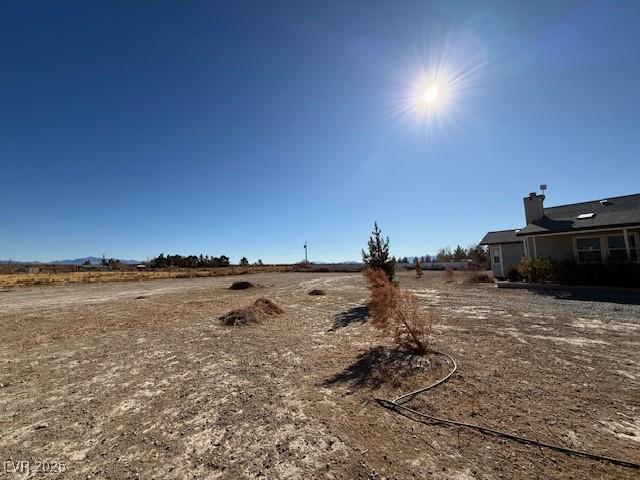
pixel 579 229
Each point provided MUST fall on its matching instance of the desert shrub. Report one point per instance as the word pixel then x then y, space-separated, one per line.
pixel 614 274
pixel 513 275
pixel 535 270
pixel 397 313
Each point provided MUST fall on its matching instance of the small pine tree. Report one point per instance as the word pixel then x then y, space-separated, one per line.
pixel 459 253
pixel 378 256
pixel 244 262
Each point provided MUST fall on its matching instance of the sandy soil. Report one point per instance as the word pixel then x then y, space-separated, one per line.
pixel 141 381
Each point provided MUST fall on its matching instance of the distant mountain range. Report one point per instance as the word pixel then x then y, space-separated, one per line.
pixel 74 261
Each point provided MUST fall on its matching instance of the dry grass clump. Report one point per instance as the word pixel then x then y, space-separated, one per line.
pixel 317 291
pixel 397 312
pixel 261 309
pixel 241 285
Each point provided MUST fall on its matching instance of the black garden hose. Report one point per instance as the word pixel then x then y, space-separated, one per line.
pixel 397 405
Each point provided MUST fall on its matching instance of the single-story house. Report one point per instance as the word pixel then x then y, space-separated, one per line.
pixel 587 232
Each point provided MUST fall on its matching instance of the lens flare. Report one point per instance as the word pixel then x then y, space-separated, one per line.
pixel 435 84
pixel 431 95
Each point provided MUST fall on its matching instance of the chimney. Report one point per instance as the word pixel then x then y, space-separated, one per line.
pixel 533 207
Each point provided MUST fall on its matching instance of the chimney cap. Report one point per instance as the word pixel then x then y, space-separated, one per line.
pixel 532 195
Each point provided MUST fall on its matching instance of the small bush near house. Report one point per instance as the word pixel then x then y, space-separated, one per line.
pixel 397 313
pixel 479 277
pixel 513 275
pixel 613 274
pixel 535 271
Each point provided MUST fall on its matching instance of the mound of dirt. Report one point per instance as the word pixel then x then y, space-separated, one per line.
pixel 317 291
pixel 260 309
pixel 241 285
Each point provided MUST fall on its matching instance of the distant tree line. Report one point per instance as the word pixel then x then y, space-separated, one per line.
pixel 475 253
pixel 189 261
pixel 107 262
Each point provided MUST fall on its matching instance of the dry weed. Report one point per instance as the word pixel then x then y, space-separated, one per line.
pixel 397 313
pixel 260 309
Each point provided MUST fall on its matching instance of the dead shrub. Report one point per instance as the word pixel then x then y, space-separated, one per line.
pixel 397 313
pixel 260 309
pixel 449 273
pixel 266 307
pixel 479 277
pixel 241 285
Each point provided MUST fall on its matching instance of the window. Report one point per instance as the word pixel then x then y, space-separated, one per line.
pixel 495 255
pixel 589 250
pixel 617 249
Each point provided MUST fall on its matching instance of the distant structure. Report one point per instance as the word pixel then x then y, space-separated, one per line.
pixel 306 260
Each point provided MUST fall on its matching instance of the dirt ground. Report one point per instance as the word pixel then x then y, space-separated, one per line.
pixel 140 380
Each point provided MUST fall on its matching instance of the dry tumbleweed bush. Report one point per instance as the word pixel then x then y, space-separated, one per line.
pixel 260 309
pixel 397 312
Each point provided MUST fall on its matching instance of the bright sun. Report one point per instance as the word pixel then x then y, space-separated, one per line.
pixel 431 94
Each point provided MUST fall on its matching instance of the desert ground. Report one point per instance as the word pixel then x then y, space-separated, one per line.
pixel 141 380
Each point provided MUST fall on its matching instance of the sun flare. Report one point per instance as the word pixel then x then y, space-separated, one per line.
pixel 435 82
pixel 431 95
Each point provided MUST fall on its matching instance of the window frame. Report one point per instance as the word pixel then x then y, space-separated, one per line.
pixel 603 239
pixel 496 250
pixel 577 251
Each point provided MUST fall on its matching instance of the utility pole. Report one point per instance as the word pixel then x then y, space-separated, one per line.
pixel 305 253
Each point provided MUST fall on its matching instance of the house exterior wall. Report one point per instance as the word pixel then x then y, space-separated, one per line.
pixel 562 247
pixel 558 247
pixel 510 254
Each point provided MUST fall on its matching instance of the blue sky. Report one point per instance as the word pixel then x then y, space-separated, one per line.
pixel 246 128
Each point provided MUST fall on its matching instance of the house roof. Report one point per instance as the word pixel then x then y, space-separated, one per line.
pixel 617 212
pixel 501 236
